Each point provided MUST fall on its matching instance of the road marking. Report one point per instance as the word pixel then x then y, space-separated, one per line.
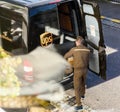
pixel 110 19
pixel 110 50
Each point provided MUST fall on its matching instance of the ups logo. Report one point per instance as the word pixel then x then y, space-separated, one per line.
pixel 46 39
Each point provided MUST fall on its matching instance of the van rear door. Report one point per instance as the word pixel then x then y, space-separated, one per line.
pixel 94 38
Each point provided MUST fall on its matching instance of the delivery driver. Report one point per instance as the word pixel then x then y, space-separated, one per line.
pixel 80 55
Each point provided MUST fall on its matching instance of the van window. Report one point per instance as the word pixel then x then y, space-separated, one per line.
pixel 11 33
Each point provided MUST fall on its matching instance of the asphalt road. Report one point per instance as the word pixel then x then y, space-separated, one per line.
pixel 109 9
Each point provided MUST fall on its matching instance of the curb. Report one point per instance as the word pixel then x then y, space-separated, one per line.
pixel 110 19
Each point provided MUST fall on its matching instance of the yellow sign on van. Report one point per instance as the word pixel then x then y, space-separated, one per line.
pixel 46 39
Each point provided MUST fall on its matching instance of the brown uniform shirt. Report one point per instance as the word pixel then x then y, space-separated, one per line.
pixel 80 56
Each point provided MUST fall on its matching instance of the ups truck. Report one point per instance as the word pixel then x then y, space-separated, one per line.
pixel 23 22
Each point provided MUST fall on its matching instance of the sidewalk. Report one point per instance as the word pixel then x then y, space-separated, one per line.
pixel 104 96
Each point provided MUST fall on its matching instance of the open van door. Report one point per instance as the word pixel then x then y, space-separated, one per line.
pixel 94 38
